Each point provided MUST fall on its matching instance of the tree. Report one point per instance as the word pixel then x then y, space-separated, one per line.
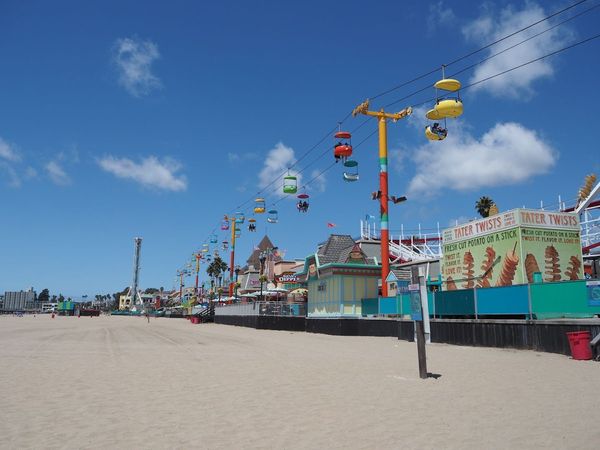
pixel 61 298
pixel 44 296
pixel 151 291
pixel 216 268
pixel 483 206
pixel 54 299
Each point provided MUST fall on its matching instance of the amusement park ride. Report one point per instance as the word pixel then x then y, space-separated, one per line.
pixel 400 248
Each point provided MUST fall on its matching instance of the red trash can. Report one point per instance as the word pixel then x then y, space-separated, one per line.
pixel 579 341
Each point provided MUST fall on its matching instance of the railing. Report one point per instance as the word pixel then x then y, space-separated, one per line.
pixel 415 246
pixel 262 309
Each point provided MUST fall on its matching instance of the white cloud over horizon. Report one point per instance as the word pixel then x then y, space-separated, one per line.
pixel 9 158
pixel 8 152
pixel 11 177
pixel 235 158
pixel 133 58
pixel 492 25
pixel 319 182
pixel 278 159
pixel 507 154
pixel 57 174
pixel 439 15
pixel 151 172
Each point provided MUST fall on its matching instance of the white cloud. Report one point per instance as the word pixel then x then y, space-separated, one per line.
pixel 150 172
pixel 7 152
pixel 319 182
pixel 235 158
pixel 70 155
pixel 133 58
pixel 278 160
pixel 30 173
pixel 397 159
pixel 507 154
pixel 57 174
pixel 11 177
pixel 492 26
pixel 439 15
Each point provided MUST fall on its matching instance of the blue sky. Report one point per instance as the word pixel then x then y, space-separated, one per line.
pixel 123 119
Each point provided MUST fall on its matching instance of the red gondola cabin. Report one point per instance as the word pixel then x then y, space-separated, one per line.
pixel 343 147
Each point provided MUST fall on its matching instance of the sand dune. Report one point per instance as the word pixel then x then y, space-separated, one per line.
pixel 119 382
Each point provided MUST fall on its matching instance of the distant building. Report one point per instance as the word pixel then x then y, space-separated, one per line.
pixel 49 307
pixel 19 300
pixel 148 299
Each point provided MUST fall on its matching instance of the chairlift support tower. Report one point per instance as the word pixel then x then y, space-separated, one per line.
pixel 382 118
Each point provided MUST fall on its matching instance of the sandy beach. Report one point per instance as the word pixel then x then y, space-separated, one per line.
pixel 119 382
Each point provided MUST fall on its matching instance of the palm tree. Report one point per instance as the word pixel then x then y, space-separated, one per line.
pixel 483 206
pixel 216 268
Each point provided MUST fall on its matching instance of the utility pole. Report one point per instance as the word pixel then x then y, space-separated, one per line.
pixel 234 221
pixel 197 272
pixel 382 118
pixel 181 273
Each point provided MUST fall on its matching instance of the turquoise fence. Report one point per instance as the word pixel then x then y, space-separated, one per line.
pixel 564 299
pixel 506 300
pixel 390 306
pixel 538 300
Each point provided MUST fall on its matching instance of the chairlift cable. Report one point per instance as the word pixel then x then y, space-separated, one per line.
pixel 326 136
pixel 474 52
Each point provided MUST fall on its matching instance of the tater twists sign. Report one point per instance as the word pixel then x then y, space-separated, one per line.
pixel 510 248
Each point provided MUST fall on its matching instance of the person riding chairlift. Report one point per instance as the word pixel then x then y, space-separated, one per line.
pixel 337 157
pixel 302 206
pixel 441 132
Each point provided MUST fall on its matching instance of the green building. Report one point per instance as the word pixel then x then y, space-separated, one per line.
pixel 339 275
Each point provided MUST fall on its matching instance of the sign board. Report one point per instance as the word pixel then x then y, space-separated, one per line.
pixel 510 247
pixel 413 287
pixel 511 219
pixel 593 293
pixel 287 278
pixel 416 311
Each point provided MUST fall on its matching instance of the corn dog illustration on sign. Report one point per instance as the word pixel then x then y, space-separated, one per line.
pixel 508 248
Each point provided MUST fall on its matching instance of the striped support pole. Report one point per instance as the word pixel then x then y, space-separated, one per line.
pixel 197 273
pixel 232 258
pixel 383 187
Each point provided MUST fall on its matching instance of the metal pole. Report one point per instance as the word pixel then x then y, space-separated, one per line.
pixel 197 272
pixel 181 286
pixel 232 258
pixel 382 117
pixel 383 209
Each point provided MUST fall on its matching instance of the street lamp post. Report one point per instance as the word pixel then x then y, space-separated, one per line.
pixel 237 273
pixel 262 258
pixel 196 291
pixel 220 286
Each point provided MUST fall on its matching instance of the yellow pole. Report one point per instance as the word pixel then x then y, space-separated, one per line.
pixel 382 117
pixel 232 258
